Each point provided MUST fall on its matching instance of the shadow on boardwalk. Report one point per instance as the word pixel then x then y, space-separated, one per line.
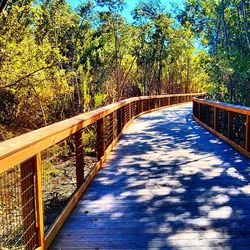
pixel 169 184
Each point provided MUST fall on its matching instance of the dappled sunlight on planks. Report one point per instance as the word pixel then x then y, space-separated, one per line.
pixel 169 184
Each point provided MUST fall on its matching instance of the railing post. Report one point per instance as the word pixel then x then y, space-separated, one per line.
pixel 247 146
pixel 32 205
pixel 100 138
pixel 39 199
pixel 79 158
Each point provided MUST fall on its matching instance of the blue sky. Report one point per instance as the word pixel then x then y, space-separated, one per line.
pixel 171 6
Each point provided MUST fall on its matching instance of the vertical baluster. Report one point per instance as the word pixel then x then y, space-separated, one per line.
pixel 100 138
pixel 247 146
pixel 79 158
pixel 31 196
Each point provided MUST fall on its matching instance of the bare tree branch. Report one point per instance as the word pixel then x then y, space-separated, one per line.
pixel 27 76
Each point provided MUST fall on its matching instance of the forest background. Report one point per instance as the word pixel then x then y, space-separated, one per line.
pixel 56 61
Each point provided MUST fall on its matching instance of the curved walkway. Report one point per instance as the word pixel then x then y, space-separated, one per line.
pixel 169 184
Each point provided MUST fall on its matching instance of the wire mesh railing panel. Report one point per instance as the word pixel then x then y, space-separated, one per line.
pixel 125 114
pixel 166 101
pixel 145 105
pixel 17 208
pixel 230 122
pixel 196 109
pixel 203 114
pixel 115 123
pixel 222 118
pixel 58 179
pixel 210 116
pixel 118 121
pixel 89 145
pixel 109 129
pixel 238 128
pixel 134 108
pixel 171 100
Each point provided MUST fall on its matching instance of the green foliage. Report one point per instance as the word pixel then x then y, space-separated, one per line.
pixel 56 62
pixel 88 137
pixel 99 99
pixel 223 28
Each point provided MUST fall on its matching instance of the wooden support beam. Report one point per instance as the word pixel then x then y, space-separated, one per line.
pixel 28 198
pixel 39 200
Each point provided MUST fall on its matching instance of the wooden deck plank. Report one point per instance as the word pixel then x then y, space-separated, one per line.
pixel 169 184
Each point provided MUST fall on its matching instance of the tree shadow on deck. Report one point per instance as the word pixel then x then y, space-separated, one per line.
pixel 169 184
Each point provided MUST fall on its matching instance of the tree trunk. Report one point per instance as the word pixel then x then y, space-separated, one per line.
pixel 159 80
pixel 224 26
pixel 239 35
pixel 245 23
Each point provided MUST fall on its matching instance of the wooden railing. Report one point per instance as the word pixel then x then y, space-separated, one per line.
pixel 44 173
pixel 229 122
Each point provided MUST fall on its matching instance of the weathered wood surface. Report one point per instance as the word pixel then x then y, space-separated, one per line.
pixel 169 184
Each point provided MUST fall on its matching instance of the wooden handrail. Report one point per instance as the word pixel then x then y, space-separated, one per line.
pixel 23 155
pixel 23 147
pixel 226 106
pixel 217 117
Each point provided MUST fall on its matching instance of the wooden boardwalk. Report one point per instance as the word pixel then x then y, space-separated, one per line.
pixel 169 184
